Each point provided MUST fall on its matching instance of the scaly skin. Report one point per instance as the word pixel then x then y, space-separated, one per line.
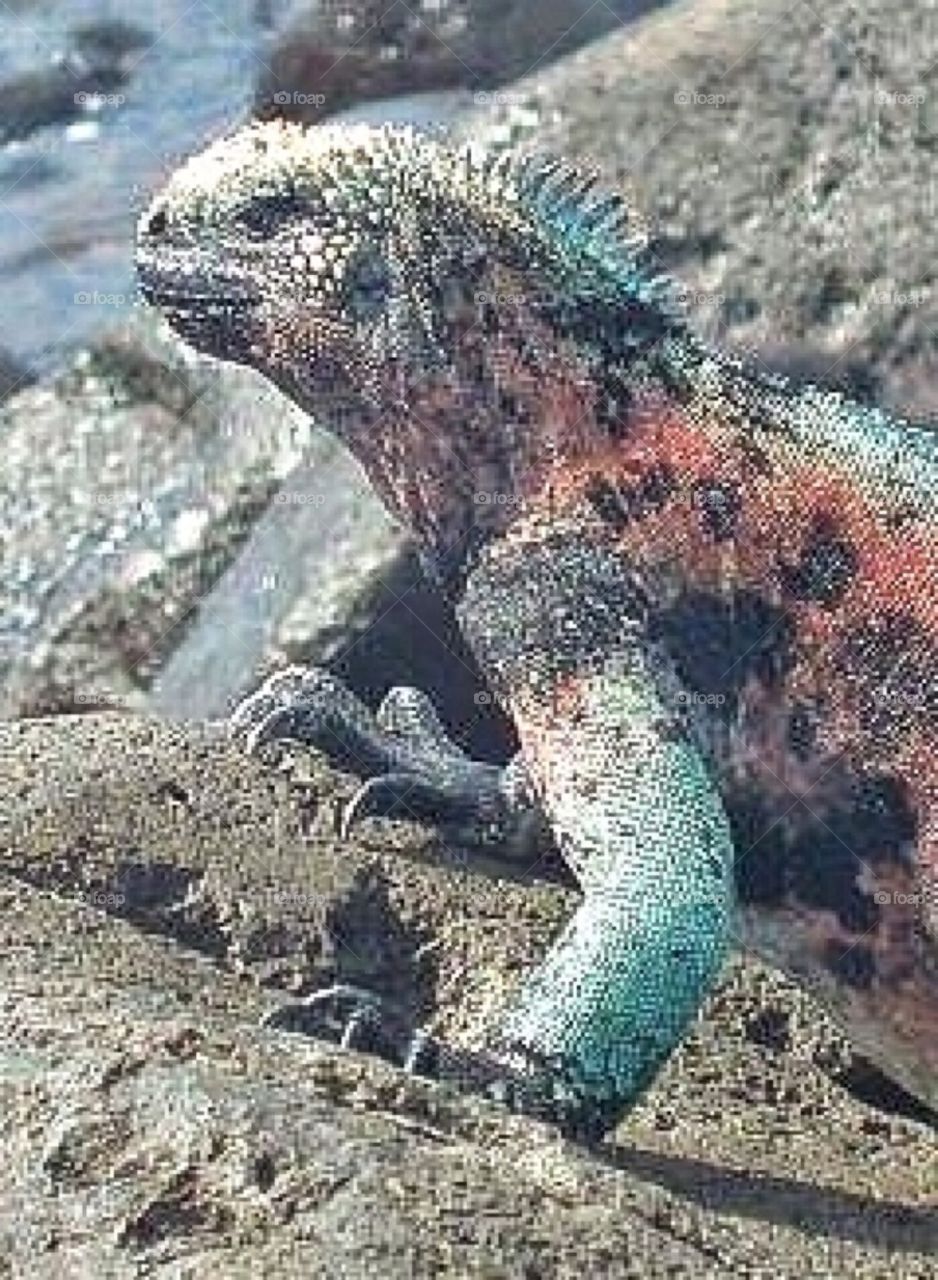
pixel 491 340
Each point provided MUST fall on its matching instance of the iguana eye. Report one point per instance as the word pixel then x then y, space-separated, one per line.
pixel 265 213
pixel 366 285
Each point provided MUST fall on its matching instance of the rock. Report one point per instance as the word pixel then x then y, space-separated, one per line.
pixel 159 894
pixel 784 161
pixel 326 578
pixel 127 483
pixel 327 58
pixel 108 41
pixel 97 63
pixel 295 588
pixel 149 1124
pixel 57 94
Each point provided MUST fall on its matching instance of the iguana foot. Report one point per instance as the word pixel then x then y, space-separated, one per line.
pixel 343 1014
pixel 413 768
pixel 356 1019
pixel 520 1079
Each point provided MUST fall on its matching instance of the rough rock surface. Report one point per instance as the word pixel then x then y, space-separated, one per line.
pixel 784 158
pixel 329 56
pixel 172 528
pixel 122 495
pixel 98 60
pixel 160 893
pixel 13 375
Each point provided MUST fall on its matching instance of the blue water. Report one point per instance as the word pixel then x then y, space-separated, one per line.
pixel 70 193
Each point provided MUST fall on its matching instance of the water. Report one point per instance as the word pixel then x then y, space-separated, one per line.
pixel 70 192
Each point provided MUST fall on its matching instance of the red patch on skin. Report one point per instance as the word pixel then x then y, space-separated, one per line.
pixel 546 726
pixel 896 572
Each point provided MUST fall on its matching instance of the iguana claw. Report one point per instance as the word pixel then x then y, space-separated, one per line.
pixel 412 769
pixel 359 1028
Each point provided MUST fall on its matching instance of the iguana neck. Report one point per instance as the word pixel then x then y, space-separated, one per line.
pixel 510 321
pixel 525 317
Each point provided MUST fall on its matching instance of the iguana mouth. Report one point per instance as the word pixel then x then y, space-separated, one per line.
pixel 185 291
pixel 214 315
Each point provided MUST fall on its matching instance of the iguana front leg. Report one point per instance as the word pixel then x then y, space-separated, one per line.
pixel 606 738
pixel 625 787
pixel 413 768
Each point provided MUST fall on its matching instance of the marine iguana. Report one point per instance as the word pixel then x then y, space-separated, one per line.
pixel 708 595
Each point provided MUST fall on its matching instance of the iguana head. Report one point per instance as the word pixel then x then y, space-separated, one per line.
pixel 352 250
pixel 422 300
pixel 279 247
